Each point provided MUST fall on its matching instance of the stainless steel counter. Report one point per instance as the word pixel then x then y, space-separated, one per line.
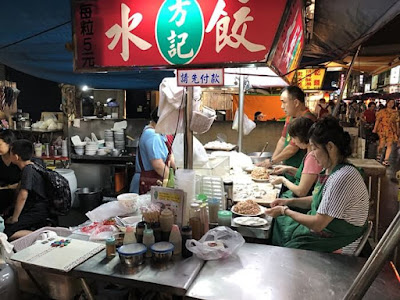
pixel 173 278
pixel 268 272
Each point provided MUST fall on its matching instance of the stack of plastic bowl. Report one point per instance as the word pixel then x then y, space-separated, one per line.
pixel 109 138
pixel 79 149
pixel 119 139
pixel 91 148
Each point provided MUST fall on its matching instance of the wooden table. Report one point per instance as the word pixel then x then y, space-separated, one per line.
pixel 372 169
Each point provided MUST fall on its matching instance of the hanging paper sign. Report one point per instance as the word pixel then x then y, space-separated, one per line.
pixel 136 33
pixel 291 42
pixel 200 77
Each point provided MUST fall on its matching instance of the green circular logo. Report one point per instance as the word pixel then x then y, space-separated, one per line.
pixel 179 31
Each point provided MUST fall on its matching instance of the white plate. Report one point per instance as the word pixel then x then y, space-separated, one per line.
pixel 262 211
pixel 260 180
pixel 249 169
pixel 250 221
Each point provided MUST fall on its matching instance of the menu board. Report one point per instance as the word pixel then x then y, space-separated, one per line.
pixel 173 199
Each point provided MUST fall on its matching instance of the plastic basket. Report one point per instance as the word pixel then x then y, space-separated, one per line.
pixel 29 239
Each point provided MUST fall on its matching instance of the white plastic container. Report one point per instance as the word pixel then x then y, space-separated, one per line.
pixel 73 185
pixel 175 238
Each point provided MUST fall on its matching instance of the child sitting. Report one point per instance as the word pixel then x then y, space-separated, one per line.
pixel 31 207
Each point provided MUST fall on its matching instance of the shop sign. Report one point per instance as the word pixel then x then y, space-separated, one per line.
pixel 291 42
pixel 200 77
pixel 394 75
pixel 310 79
pixel 136 33
pixel 374 82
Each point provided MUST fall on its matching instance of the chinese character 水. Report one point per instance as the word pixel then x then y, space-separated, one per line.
pixel 128 23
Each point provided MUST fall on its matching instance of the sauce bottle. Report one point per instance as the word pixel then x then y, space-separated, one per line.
pixel 129 237
pixel 166 222
pixel 148 240
pixel 194 220
pixel 139 231
pixel 157 231
pixel 110 247
pixel 186 235
pixel 176 239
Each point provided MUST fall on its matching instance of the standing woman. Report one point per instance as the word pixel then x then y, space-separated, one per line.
pixel 153 158
pixel 387 128
pixel 338 208
pixel 10 174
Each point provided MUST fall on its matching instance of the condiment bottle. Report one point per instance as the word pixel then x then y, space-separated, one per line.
pixel 129 237
pixel 157 231
pixel 110 247
pixel 139 231
pixel 176 239
pixel 205 226
pixel 148 239
pixel 186 235
pixel 166 222
pixel 213 208
pixel 194 220
pixel 224 218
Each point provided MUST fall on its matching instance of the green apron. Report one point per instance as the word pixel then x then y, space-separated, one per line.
pixel 338 234
pixel 297 178
pixel 295 160
pixel 289 194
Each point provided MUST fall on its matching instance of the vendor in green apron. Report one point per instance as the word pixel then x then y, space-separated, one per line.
pixel 307 173
pixel 293 103
pixel 339 205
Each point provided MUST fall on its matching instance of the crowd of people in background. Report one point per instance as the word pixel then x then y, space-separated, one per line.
pixel 378 123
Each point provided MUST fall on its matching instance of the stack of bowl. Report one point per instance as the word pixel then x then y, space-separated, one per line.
pixel 109 138
pixel 91 148
pixel 79 149
pixel 119 139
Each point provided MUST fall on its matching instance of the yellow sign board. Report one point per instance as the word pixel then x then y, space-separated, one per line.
pixel 310 79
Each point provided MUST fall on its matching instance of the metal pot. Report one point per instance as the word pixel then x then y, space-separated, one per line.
pixel 256 158
pixel 132 255
pixel 162 252
pixel 89 198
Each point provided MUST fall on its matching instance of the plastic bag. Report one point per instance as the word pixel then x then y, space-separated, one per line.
pixel 200 156
pixel 219 242
pixel 106 211
pixel 248 125
pixel 103 232
pixel 201 122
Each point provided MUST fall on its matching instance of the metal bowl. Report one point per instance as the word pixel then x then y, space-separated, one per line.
pixel 162 252
pixel 256 158
pixel 132 255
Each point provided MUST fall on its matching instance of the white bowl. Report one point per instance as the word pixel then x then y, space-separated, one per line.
pixel 129 201
pixel 79 151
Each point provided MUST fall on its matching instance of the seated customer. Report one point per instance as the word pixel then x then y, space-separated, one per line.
pixel 339 205
pixel 307 173
pixel 10 174
pixel 31 206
